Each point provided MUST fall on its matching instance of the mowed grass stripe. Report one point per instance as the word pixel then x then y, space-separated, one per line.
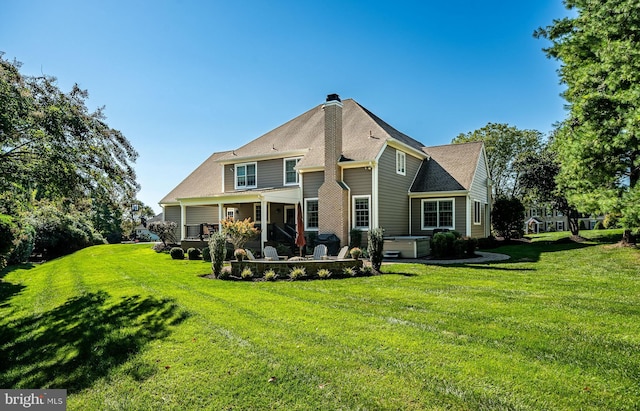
pixel 506 336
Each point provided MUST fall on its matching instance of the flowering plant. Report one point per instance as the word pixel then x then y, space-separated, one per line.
pixel 355 252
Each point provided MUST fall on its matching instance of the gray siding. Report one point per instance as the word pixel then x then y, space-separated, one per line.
pixel 479 191
pixel 460 218
pixel 358 180
pixel 270 173
pixel 311 182
pixel 202 214
pixel 172 213
pixel 393 188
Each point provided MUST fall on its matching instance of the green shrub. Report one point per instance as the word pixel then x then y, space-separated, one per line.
pixel 324 273
pixel 442 245
pixel 224 274
pixel 206 254
pixel 349 272
pixel 366 271
pixel 159 247
pixel 582 225
pixel 375 247
pixel 486 243
pixel 177 253
pixel 7 228
pixel 218 250
pixel 24 241
pixel 599 226
pixel 451 245
pixel 270 275
pixel 194 254
pixel 246 274
pixel 612 220
pixel 297 273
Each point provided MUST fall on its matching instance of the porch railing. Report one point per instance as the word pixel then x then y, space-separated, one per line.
pixel 199 231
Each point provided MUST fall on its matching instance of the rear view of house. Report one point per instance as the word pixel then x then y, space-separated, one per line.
pixel 348 169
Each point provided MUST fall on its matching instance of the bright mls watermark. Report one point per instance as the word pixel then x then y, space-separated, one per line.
pixel 42 400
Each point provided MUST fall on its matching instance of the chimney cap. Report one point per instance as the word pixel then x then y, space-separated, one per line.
pixel 333 97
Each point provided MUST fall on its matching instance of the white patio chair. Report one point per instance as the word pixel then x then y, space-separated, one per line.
pixel 270 252
pixel 343 252
pixel 250 255
pixel 319 252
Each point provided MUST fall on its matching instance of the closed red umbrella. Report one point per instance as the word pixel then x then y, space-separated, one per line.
pixel 300 241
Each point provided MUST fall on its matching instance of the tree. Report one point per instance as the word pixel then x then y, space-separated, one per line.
pixel 507 216
pixel 165 230
pixel 538 173
pixel 239 232
pixel 52 147
pixel 598 145
pixel 503 144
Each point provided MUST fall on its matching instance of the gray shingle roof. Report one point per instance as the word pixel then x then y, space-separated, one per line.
pixel 206 180
pixel 450 168
pixel 363 135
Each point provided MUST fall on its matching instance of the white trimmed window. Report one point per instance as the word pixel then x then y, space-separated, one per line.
pixel 361 216
pixel 291 176
pixel 477 212
pixel 438 214
pixel 246 175
pixel 257 213
pixel 231 213
pixel 311 214
pixel 401 163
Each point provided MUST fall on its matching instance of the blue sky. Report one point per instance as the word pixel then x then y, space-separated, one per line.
pixel 183 79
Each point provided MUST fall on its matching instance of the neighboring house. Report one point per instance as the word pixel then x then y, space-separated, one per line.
pixel 544 218
pixel 348 169
pixel 143 233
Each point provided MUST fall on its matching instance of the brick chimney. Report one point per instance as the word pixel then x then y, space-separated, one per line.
pixel 333 194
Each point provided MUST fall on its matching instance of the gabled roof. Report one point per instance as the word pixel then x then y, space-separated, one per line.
pixel 450 168
pixel 206 180
pixel 363 136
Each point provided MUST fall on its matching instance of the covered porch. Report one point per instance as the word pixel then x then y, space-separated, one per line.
pixel 274 212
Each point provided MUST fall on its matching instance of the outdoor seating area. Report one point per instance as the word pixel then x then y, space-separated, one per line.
pixel 281 265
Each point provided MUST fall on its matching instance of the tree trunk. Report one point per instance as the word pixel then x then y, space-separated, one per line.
pixel 628 238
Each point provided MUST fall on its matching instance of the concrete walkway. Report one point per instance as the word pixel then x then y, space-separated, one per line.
pixel 484 257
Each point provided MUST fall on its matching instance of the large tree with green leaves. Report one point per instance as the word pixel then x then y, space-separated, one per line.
pixel 538 174
pixel 598 145
pixel 504 144
pixel 52 146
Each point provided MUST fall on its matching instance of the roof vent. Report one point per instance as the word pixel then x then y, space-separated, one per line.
pixel 333 97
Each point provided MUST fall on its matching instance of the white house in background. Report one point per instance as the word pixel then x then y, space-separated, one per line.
pixel 348 169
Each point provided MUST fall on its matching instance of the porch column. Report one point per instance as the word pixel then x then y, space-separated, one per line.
pixel 220 214
pixel 265 219
pixel 183 221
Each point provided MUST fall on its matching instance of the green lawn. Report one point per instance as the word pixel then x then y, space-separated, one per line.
pixel 123 328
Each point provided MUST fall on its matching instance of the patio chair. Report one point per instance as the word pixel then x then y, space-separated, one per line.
pixel 343 252
pixel 250 255
pixel 270 252
pixel 319 252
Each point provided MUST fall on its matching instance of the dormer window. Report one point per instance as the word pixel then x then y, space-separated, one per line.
pixel 291 176
pixel 246 176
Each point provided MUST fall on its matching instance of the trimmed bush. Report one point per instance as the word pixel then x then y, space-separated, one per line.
pixel 375 247
pixel 206 254
pixel 366 271
pixel 486 243
pixel 194 254
pixel 177 253
pixel 582 225
pixel 218 250
pixel 451 245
